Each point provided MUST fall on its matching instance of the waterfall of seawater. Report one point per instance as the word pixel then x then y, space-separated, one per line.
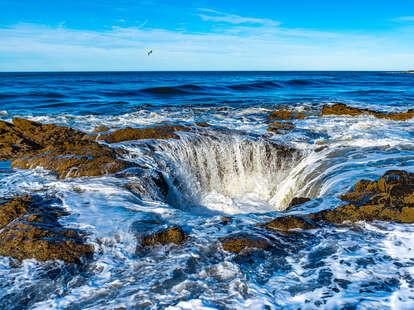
pixel 227 169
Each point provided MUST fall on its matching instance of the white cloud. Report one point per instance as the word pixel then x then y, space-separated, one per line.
pixel 404 19
pixel 239 46
pixel 216 16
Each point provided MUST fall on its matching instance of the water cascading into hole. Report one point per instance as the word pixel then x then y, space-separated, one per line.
pixel 232 170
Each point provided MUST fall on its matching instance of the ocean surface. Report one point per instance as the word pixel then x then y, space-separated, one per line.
pixel 222 173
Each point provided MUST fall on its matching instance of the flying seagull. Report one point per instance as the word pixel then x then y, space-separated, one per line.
pixel 150 52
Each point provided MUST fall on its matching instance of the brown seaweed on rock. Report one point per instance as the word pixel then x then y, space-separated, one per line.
pixel 173 234
pixel 343 109
pixel 236 243
pixel 156 132
pixel 65 151
pixel 30 229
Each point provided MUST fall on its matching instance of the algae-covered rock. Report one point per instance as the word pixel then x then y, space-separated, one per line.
pixel 74 161
pixel 65 151
pixel 390 199
pixel 173 234
pixel 30 229
pixel 280 127
pixel 42 241
pixel 287 223
pixel 238 242
pixel 286 115
pixel 156 132
pixel 101 128
pixel 14 208
pixel 343 109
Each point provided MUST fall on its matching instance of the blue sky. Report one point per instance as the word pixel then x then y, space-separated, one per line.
pixel 40 35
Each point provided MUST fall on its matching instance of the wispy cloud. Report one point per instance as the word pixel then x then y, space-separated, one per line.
pixel 243 44
pixel 404 19
pixel 216 16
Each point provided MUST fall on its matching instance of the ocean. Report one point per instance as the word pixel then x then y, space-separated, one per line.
pixel 222 170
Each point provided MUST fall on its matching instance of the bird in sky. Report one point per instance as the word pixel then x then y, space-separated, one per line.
pixel 150 52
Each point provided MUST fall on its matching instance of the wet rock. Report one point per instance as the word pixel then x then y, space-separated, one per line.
pixel 343 109
pixel 13 143
pixel 173 234
pixel 286 115
pixel 13 209
pixel 225 220
pixel 31 230
pixel 287 223
pixel 74 161
pixel 48 135
pixel 100 129
pixel 156 132
pixel 275 130
pixel 390 199
pixel 202 124
pixel 240 241
pixel 29 239
pixel 280 127
pixel 283 125
pixel 298 201
pixel 65 151
pixel 148 184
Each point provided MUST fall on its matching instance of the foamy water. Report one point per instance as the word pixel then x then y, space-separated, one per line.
pixel 214 173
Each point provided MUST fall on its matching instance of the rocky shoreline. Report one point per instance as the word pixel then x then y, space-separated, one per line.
pixel 281 120
pixel 30 228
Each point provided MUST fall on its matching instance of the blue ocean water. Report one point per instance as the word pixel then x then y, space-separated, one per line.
pixel 222 171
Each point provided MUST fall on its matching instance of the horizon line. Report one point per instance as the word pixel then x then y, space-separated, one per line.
pixel 147 71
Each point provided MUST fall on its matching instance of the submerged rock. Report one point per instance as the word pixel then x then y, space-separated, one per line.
pixel 238 242
pixel 280 127
pixel 65 151
pixel 156 132
pixel 390 199
pixel 173 234
pixel 343 109
pixel 30 229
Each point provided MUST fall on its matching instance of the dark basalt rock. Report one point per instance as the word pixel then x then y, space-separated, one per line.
pixel 240 241
pixel 30 229
pixel 156 132
pixel 65 151
pixel 343 109
pixel 173 234
pixel 298 201
pixel 146 183
pixel 390 199
pixel 287 223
